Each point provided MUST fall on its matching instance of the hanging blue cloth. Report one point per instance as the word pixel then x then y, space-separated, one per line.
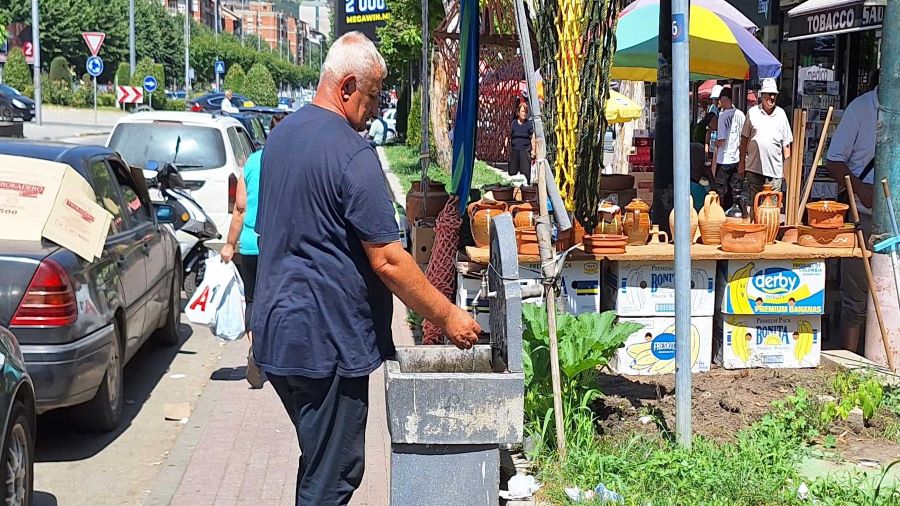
pixel 467 106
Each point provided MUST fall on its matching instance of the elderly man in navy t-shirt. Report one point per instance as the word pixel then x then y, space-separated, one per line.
pixel 329 259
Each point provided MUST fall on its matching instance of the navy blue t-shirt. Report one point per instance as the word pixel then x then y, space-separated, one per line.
pixel 319 308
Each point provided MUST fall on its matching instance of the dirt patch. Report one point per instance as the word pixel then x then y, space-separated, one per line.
pixel 723 403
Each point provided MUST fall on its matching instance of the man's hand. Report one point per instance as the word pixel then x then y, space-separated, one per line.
pixel 227 253
pixel 741 169
pixel 461 328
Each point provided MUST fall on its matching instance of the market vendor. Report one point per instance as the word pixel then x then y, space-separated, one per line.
pixel 852 151
pixel 765 142
pixel 521 143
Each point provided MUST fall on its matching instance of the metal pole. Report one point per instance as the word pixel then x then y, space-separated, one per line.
pixel 543 226
pixel 36 45
pixel 682 186
pixel 95 101
pixel 424 151
pixel 131 55
pixel 187 49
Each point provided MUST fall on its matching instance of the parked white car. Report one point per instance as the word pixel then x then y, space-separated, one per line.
pixel 212 150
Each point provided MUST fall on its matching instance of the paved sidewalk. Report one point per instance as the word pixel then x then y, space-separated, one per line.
pixel 239 447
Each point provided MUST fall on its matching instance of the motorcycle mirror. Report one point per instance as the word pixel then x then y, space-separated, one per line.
pixel 152 165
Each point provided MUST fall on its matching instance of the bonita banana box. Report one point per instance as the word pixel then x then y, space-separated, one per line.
pixel 775 341
pixel 648 289
pixel 773 287
pixel 651 350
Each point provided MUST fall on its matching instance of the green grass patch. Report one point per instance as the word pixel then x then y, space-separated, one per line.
pixel 404 162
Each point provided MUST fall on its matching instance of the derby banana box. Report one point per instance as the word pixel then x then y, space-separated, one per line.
pixel 771 341
pixel 648 289
pixel 651 350
pixel 580 280
pixel 773 287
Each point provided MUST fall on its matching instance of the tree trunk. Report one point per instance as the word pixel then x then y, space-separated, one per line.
pixel 440 113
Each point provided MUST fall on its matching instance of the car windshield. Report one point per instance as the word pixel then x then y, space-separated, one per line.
pixel 201 147
pixel 8 90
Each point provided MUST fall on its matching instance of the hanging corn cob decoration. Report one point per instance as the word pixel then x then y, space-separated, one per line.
pixel 568 61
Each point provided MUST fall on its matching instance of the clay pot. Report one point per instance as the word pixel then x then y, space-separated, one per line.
pixel 711 218
pixel 605 244
pixel 434 202
pixel 527 241
pixel 610 219
pixel 694 222
pixel 524 214
pixel 788 234
pixel 480 215
pixel 844 237
pixel 744 237
pixel 564 240
pixel 502 193
pixel 579 231
pixel 637 222
pixel 826 214
pixel 529 193
pixel 767 211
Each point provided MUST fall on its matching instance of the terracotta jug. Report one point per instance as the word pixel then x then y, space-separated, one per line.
pixel 711 217
pixel 658 236
pixel 694 222
pixel 480 215
pixel 523 214
pixel 767 211
pixel 434 201
pixel 609 219
pixel 637 222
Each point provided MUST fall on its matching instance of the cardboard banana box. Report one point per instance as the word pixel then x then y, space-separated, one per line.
pixel 651 350
pixel 773 287
pixel 648 289
pixel 776 341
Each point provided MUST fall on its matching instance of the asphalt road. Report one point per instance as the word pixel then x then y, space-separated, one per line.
pixel 120 468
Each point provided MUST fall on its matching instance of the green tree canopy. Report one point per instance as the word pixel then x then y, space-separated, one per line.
pixel 123 73
pixel 146 67
pixel 400 41
pixel 260 86
pixel 16 72
pixel 234 79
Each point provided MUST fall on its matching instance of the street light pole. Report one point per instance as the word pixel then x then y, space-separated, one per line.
pixel 36 47
pixel 682 186
pixel 131 54
pixel 187 49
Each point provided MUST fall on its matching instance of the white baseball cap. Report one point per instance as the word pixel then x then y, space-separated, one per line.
pixel 769 86
pixel 716 91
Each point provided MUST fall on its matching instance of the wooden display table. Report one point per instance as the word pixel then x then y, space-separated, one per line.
pixel 666 252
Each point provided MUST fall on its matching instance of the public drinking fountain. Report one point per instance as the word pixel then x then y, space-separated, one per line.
pixel 449 410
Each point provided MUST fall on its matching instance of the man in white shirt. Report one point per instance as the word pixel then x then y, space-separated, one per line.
pixel 227 105
pixel 729 126
pixel 766 142
pixel 852 151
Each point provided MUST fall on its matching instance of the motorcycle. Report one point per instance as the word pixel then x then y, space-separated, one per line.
pixel 196 227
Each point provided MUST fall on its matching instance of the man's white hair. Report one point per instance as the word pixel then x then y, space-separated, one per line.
pixel 353 54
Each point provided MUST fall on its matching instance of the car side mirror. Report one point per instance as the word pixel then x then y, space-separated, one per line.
pixel 152 165
pixel 165 214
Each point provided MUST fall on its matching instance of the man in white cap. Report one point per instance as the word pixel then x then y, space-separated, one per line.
pixel 766 142
pixel 711 130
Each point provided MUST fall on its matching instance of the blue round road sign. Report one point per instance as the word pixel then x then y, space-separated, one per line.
pixel 94 66
pixel 150 84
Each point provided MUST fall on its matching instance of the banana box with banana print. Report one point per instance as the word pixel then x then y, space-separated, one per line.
pixel 648 289
pixel 773 287
pixel 651 350
pixel 771 341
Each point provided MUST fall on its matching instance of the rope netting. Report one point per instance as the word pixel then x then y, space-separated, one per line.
pixel 441 271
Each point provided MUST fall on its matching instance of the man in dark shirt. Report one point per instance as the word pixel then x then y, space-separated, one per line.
pixel 329 259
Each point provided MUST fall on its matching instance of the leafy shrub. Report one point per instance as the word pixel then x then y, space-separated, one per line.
pixel 146 67
pixel 235 79
pixel 260 86
pixel 16 72
pixel 83 97
pixel 176 104
pixel 106 100
pixel 59 69
pixel 123 73
pixel 414 122
pixel 28 91
pixel 57 92
pixel 586 342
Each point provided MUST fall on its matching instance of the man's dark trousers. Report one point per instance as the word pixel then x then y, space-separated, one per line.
pixel 330 418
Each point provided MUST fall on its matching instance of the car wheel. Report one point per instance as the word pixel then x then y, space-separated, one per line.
pixel 18 459
pixel 6 113
pixel 168 334
pixel 104 412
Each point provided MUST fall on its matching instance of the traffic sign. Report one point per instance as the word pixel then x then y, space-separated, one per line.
pixel 94 65
pixel 150 84
pixel 220 67
pixel 129 95
pixel 94 40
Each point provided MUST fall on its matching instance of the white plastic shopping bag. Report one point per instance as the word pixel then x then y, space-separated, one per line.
pixel 219 300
